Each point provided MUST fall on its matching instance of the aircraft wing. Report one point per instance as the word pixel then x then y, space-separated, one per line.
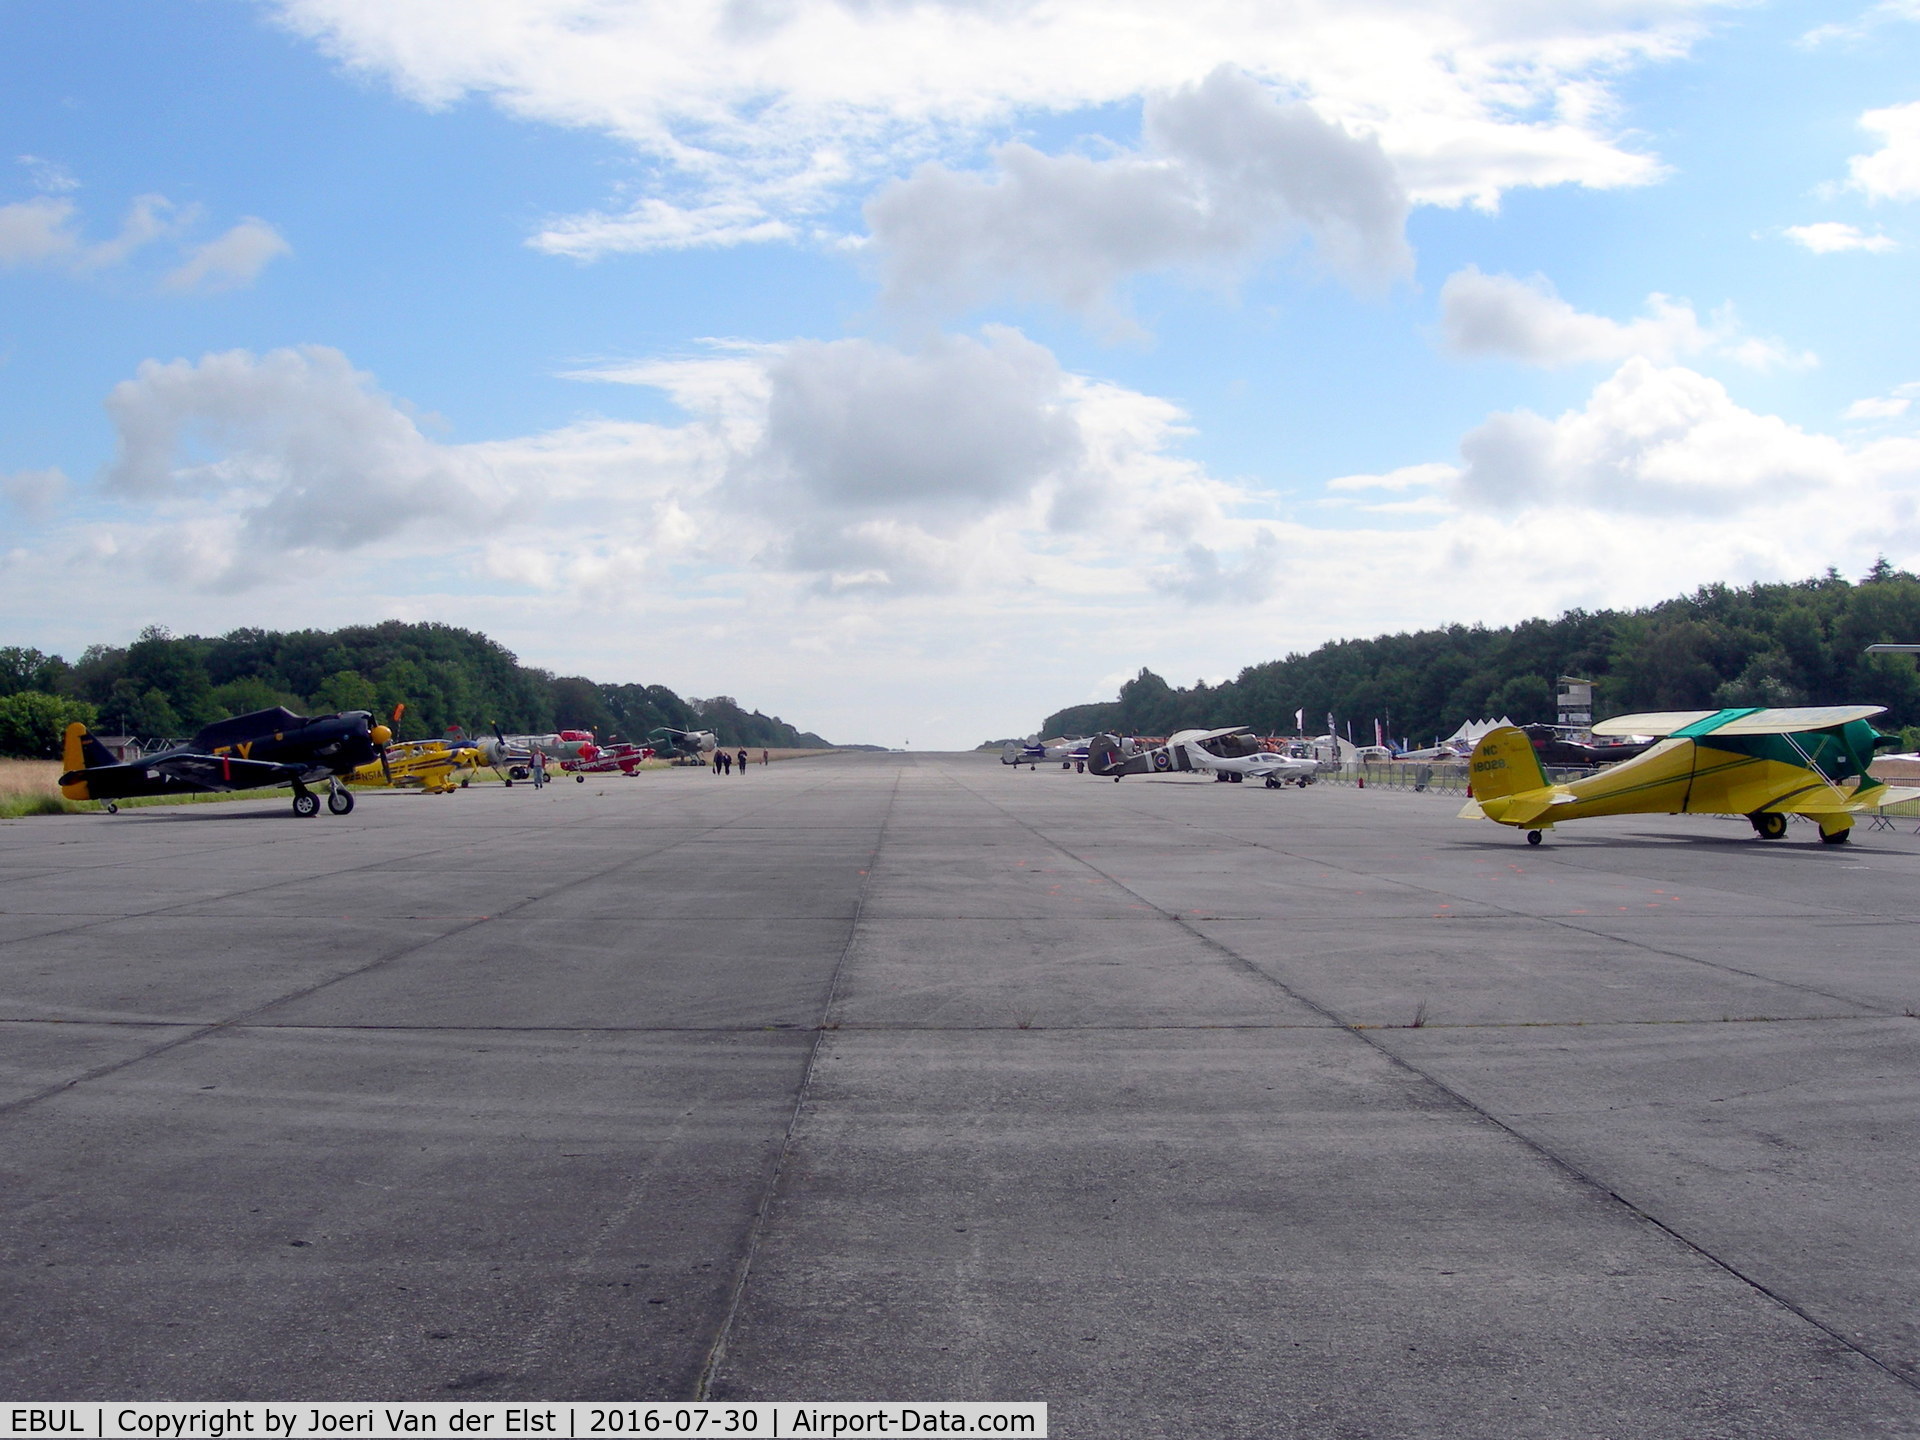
pixel 1657 722
pixel 224 772
pixel 1782 722
pixel 1753 722
pixel 1200 737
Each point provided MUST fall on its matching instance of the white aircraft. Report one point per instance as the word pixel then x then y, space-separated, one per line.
pixel 1276 770
pixel 1034 750
pixel 1221 752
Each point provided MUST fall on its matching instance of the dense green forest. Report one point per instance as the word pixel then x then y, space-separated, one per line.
pixel 163 686
pixel 1790 644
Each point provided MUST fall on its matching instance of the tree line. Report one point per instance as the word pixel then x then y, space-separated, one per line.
pixel 1796 643
pixel 166 687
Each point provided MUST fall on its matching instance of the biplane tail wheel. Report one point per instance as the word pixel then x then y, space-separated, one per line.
pixel 340 802
pixel 1769 825
pixel 306 803
pixel 1533 837
pixel 579 779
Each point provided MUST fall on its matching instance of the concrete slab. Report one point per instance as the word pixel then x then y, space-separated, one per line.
pixel 913 1076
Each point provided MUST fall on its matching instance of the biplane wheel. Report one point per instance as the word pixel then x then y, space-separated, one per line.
pixel 465 783
pixel 112 809
pixel 306 803
pixel 1533 837
pixel 1769 825
pixel 579 779
pixel 340 802
pixel 1838 837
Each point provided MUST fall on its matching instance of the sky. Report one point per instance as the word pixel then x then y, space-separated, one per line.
pixel 914 368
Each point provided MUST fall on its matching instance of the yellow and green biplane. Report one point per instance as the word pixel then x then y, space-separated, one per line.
pixel 1763 764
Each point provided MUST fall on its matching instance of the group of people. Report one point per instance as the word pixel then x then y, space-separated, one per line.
pixel 724 761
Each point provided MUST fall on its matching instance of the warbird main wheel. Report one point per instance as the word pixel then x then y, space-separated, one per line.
pixel 340 802
pixel 1769 824
pixel 1533 837
pixel 306 803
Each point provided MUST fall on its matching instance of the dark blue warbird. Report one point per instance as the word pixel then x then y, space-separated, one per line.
pixel 268 747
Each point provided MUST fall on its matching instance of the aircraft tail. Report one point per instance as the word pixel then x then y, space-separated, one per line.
pixel 1509 784
pixel 82 751
pixel 1504 763
pixel 79 753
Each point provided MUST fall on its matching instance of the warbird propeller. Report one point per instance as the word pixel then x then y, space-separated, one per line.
pixel 1763 764
pixel 267 747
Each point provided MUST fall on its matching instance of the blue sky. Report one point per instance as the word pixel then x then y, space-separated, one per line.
pixel 914 369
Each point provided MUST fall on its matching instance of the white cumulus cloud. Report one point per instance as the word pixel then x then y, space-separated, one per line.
pixel 34 493
pixel 1228 171
pixel 1893 171
pixel 1527 320
pixel 231 261
pixel 36 231
pixel 760 113
pixel 1651 440
pixel 1831 237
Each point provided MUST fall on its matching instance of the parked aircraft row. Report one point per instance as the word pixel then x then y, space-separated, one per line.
pixel 1763 764
pixel 310 754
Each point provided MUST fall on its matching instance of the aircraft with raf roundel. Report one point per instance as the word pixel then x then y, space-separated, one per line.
pixel 1765 764
pixel 1110 755
pixel 248 752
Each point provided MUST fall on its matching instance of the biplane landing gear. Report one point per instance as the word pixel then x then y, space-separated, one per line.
pixel 1770 825
pixel 305 803
pixel 1533 837
pixel 112 809
pixel 340 799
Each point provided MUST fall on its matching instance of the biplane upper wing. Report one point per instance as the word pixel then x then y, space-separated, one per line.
pixel 1658 722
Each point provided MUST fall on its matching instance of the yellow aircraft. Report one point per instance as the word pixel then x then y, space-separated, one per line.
pixel 434 766
pixel 1763 764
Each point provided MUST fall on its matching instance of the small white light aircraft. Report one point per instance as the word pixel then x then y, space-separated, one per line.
pixel 1228 754
pixel 1276 770
pixel 1034 751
